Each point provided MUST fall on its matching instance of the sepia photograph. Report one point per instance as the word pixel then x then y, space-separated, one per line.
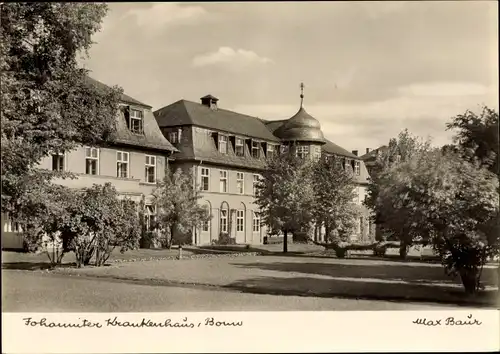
pixel 249 156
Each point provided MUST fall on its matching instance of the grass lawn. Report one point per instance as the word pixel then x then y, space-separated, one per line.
pixel 274 274
pixel 48 292
pixel 304 276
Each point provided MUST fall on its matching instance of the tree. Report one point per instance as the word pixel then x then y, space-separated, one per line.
pixel 399 150
pixel 47 102
pixel 43 212
pixel 91 222
pixel 333 190
pixel 99 221
pixel 477 137
pixel 285 195
pixel 450 202
pixel 177 200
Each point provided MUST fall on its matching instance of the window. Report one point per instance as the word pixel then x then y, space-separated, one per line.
pixel 206 225
pixel 150 217
pixel 91 161
pixel 223 220
pixel 256 179
pixel 240 182
pixel 347 165
pixel 150 169
pixel 173 137
pixel 284 149
pixel 239 147
pixel 357 168
pixel 317 153
pixel 223 181
pixel 240 220
pixel 223 144
pixel 136 119
pixel 302 151
pixel 270 150
pixel 58 162
pixel 255 149
pixel 122 164
pixel 205 179
pixel 11 226
pixel 256 222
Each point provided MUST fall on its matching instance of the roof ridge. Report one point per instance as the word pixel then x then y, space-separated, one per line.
pixel 225 110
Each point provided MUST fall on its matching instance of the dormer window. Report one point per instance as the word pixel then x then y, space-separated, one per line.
pixel 255 149
pixel 347 165
pixel 239 147
pixel 357 168
pixel 173 137
pixel 270 150
pixel 223 144
pixel 136 121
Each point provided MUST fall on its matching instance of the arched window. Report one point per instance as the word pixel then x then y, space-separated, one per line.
pixel 224 217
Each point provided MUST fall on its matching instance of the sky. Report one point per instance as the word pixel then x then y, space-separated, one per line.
pixel 370 69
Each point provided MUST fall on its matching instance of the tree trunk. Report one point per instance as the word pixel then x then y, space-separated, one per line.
pixel 169 243
pixel 285 242
pixel 403 250
pixel 328 230
pixel 470 280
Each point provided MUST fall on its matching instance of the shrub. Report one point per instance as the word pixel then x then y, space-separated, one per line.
pixel 379 250
pixel 341 252
pixel 224 239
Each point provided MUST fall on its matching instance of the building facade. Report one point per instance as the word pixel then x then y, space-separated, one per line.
pixel 135 161
pixel 226 151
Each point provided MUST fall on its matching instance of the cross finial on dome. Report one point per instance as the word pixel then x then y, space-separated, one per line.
pixel 301 94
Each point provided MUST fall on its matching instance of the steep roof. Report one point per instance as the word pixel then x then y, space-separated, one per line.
pixel 333 148
pixel 373 154
pixel 152 137
pixel 185 112
pixel 273 125
pixel 124 97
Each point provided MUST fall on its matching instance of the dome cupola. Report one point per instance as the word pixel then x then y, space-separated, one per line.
pixel 302 126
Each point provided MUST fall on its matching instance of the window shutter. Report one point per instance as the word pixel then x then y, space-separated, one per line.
pixel 126 113
pixel 215 136
pixel 232 143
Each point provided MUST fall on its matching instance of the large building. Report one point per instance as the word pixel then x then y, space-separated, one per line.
pixel 133 163
pixel 225 151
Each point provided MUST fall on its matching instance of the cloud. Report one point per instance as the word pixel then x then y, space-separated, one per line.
pixel 161 14
pixel 371 124
pixel 235 58
pixel 435 89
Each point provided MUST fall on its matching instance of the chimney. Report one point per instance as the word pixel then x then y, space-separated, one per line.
pixel 355 152
pixel 367 150
pixel 209 101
